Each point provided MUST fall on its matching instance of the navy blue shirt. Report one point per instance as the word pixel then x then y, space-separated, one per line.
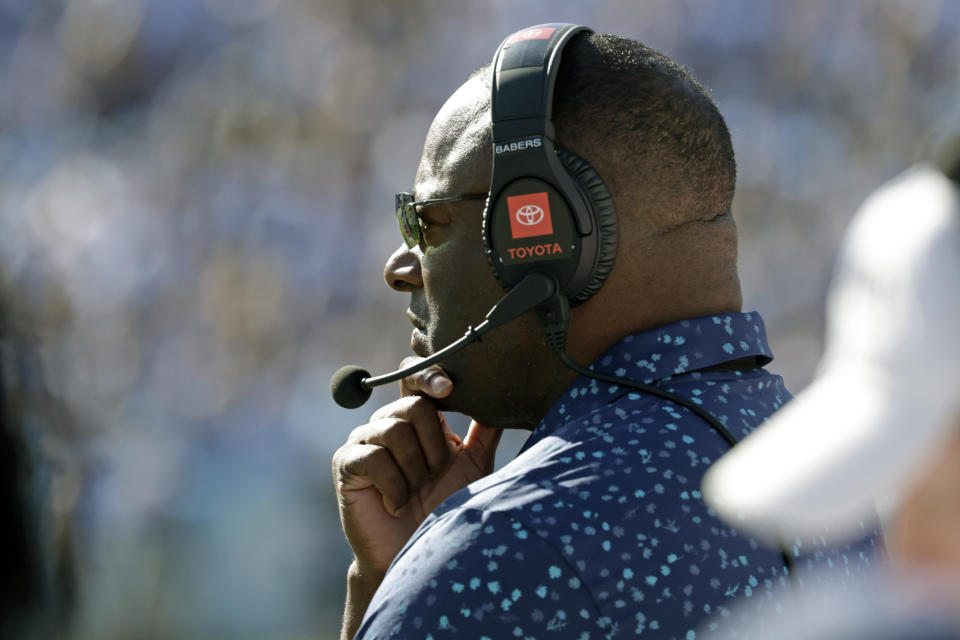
pixel 597 528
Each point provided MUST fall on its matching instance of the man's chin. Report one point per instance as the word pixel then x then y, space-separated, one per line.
pixel 463 402
pixel 457 402
pixel 419 343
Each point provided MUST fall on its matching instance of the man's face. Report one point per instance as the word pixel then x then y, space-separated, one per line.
pixel 450 282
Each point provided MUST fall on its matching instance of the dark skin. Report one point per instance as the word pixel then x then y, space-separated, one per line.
pixel 394 470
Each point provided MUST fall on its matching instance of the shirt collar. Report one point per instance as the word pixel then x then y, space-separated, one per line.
pixel 657 355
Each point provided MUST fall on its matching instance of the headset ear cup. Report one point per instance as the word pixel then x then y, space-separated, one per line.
pixel 595 189
pixel 488 210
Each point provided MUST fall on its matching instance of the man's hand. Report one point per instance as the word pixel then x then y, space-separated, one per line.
pixel 395 470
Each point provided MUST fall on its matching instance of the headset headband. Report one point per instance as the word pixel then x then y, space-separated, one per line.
pixel 524 73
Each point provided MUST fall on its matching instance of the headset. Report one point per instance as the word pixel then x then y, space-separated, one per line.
pixel 548 210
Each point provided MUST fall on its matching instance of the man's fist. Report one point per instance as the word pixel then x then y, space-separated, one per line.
pixel 396 469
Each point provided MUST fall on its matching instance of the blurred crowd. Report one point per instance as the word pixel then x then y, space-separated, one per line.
pixel 195 207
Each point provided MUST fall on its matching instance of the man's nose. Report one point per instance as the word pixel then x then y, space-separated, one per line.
pixel 402 271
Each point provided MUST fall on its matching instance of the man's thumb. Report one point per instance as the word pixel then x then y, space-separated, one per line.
pixel 481 444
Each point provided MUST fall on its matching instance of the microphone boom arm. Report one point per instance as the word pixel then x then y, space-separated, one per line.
pixel 351 385
pixel 534 290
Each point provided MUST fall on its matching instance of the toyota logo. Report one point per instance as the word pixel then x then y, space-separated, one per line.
pixel 529 215
pixel 531 33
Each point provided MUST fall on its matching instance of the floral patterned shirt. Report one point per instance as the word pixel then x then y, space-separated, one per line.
pixel 597 528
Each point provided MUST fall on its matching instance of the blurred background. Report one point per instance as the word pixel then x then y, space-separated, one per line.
pixel 196 204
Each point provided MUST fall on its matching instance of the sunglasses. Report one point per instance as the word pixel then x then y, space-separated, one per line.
pixel 408 216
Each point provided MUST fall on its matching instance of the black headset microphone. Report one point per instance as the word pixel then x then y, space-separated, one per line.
pixel 549 226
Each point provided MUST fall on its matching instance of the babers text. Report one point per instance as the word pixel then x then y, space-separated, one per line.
pixel 518 145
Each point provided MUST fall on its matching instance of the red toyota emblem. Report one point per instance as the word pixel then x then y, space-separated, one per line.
pixel 533 33
pixel 530 215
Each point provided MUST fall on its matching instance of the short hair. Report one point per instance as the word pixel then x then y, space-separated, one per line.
pixel 619 98
pixel 645 123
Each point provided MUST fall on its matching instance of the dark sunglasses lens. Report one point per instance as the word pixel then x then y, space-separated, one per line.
pixel 409 225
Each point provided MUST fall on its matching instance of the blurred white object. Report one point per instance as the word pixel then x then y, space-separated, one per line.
pixel 887 388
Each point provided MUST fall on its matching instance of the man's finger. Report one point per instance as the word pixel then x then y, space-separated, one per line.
pixel 399 437
pixel 422 414
pixel 433 434
pixel 432 381
pixel 481 444
pixel 363 465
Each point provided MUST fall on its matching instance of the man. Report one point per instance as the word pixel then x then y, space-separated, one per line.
pixel 879 425
pixel 597 528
